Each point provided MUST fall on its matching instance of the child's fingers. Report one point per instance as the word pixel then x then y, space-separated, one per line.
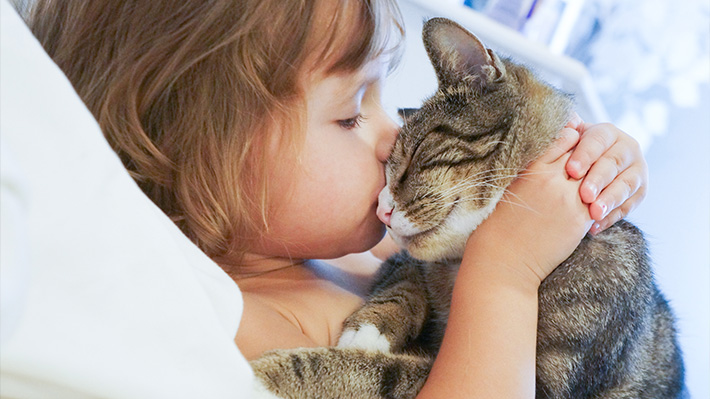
pixel 594 142
pixel 567 140
pixel 574 122
pixel 618 213
pixel 630 185
pixel 604 171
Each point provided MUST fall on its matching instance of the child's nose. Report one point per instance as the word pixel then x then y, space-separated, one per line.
pixel 385 206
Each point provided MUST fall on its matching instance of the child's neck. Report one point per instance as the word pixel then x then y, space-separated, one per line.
pixel 352 273
pixel 253 265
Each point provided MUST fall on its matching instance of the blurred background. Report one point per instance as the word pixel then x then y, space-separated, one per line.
pixel 643 65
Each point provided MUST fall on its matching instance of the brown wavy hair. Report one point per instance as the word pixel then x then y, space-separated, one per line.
pixel 189 92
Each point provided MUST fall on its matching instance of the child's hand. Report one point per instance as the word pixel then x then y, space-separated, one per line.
pixel 616 172
pixel 540 220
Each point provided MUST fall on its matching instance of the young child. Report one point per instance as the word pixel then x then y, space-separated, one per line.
pixel 256 125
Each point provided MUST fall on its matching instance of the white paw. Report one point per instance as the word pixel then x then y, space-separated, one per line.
pixel 259 391
pixel 367 336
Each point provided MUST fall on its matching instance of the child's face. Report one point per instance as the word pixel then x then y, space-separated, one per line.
pixel 326 203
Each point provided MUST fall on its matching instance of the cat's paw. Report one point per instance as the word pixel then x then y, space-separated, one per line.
pixel 367 336
pixel 259 391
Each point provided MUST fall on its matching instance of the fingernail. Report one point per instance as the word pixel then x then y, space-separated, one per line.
pixel 575 166
pixel 605 210
pixel 596 228
pixel 593 189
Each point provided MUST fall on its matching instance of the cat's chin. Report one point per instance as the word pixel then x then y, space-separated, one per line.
pixel 431 245
pixel 446 241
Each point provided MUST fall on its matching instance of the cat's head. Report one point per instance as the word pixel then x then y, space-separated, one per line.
pixel 455 156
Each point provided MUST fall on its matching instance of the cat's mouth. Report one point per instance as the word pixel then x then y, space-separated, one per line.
pixel 407 240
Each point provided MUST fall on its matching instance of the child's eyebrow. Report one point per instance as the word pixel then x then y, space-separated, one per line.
pixel 365 80
pixel 353 85
pixel 369 73
pixel 346 96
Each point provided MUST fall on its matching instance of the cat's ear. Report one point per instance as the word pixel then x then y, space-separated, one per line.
pixel 405 113
pixel 456 54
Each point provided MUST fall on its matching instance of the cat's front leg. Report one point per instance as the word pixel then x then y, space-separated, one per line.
pixel 395 311
pixel 330 373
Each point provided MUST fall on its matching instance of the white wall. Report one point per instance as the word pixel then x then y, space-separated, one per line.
pixel 676 218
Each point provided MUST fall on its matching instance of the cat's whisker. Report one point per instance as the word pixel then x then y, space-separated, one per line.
pixel 462 189
pixel 457 191
pixel 468 199
pixel 516 200
pixel 488 182
pixel 536 173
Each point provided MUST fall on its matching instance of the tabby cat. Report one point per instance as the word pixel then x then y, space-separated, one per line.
pixel 604 330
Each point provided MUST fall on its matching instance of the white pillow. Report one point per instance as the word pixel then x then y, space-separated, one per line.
pixel 102 296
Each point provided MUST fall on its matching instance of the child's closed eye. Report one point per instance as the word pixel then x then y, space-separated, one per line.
pixel 351 123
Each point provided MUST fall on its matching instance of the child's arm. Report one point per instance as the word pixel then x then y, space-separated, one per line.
pixel 489 345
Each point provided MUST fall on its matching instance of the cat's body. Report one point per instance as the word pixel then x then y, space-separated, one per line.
pixel 604 329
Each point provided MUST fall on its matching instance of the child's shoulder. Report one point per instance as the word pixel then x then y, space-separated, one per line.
pixel 265 326
pixel 304 306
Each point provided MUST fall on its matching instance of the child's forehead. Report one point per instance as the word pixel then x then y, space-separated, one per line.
pixel 351 81
pixel 371 71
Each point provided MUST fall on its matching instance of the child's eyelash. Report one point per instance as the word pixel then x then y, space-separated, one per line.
pixel 351 123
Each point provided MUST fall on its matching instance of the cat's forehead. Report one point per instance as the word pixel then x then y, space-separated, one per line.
pixel 452 106
pixel 419 124
pixel 415 128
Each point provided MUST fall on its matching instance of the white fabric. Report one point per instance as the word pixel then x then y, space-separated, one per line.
pixel 102 296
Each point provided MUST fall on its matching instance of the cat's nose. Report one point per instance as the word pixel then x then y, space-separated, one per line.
pixel 385 206
pixel 385 214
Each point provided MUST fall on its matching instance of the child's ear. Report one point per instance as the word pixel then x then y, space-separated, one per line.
pixel 456 53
